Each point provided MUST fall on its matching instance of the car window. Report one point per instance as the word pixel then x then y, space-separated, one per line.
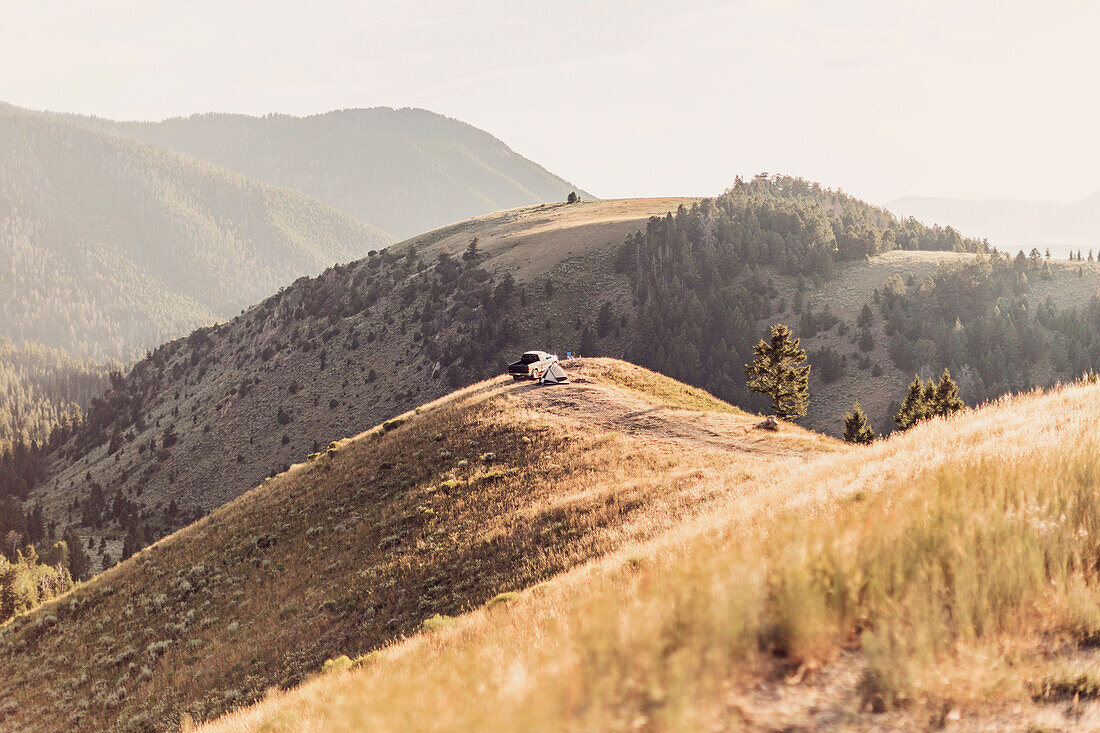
pixel 529 358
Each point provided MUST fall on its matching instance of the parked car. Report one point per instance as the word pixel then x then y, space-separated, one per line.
pixel 532 365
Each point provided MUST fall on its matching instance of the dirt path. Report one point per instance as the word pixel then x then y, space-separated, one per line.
pixel 623 410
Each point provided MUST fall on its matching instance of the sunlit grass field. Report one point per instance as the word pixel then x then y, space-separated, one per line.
pixel 488 491
pixel 948 573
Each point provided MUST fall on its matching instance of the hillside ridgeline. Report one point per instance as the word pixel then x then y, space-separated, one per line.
pixel 204 418
pixel 942 578
pixel 1013 224
pixel 689 295
pixel 492 489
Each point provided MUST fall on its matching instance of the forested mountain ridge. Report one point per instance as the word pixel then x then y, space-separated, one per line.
pixel 683 286
pixel 206 417
pixel 404 171
pixel 705 279
pixel 109 246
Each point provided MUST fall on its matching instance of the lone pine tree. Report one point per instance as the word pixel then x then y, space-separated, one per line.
pixel 777 371
pixel 856 429
pixel 79 563
pixel 473 252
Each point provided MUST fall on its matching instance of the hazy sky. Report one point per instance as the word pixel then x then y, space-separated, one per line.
pixel 882 98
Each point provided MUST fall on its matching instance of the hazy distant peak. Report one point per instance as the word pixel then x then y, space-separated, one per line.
pixel 404 170
pixel 1012 224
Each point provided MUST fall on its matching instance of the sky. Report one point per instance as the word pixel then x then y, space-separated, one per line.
pixel 884 98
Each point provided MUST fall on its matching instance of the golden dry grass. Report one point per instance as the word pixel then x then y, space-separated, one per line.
pixel 948 573
pixel 493 489
pixel 532 240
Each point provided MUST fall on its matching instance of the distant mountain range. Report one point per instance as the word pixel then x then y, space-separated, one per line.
pixel 108 245
pixel 404 171
pixel 111 243
pixel 1013 224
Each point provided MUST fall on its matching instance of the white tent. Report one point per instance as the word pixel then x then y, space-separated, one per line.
pixel 554 374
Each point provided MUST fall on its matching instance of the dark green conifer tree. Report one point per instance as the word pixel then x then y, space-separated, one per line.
pixel 945 399
pixel 79 564
pixel 131 544
pixel 866 317
pixel 914 408
pixel 605 319
pixel 856 429
pixel 473 252
pixel 588 342
pixel 866 341
pixel 777 371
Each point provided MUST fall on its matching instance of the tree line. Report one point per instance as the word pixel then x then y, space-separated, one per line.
pixel 779 371
pixel 702 276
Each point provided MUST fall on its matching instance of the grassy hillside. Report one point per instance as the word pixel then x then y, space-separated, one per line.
pixel 404 171
pixel 488 491
pixel 942 578
pixel 622 552
pixel 109 246
pixel 333 355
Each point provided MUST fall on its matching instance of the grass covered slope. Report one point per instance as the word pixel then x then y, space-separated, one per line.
pixel 205 418
pixel 947 574
pixel 110 246
pixel 490 490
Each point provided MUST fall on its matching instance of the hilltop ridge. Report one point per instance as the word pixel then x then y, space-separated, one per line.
pixel 914 584
pixel 488 490
pixel 636 530
pixel 333 355
pixel 682 286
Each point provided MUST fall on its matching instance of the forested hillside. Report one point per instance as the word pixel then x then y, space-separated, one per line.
pixel 703 279
pixel 206 417
pixel 109 246
pixel 683 287
pixel 43 396
pixel 978 319
pixel 41 388
pixel 404 171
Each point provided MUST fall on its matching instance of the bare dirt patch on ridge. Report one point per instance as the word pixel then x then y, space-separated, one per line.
pixel 597 403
